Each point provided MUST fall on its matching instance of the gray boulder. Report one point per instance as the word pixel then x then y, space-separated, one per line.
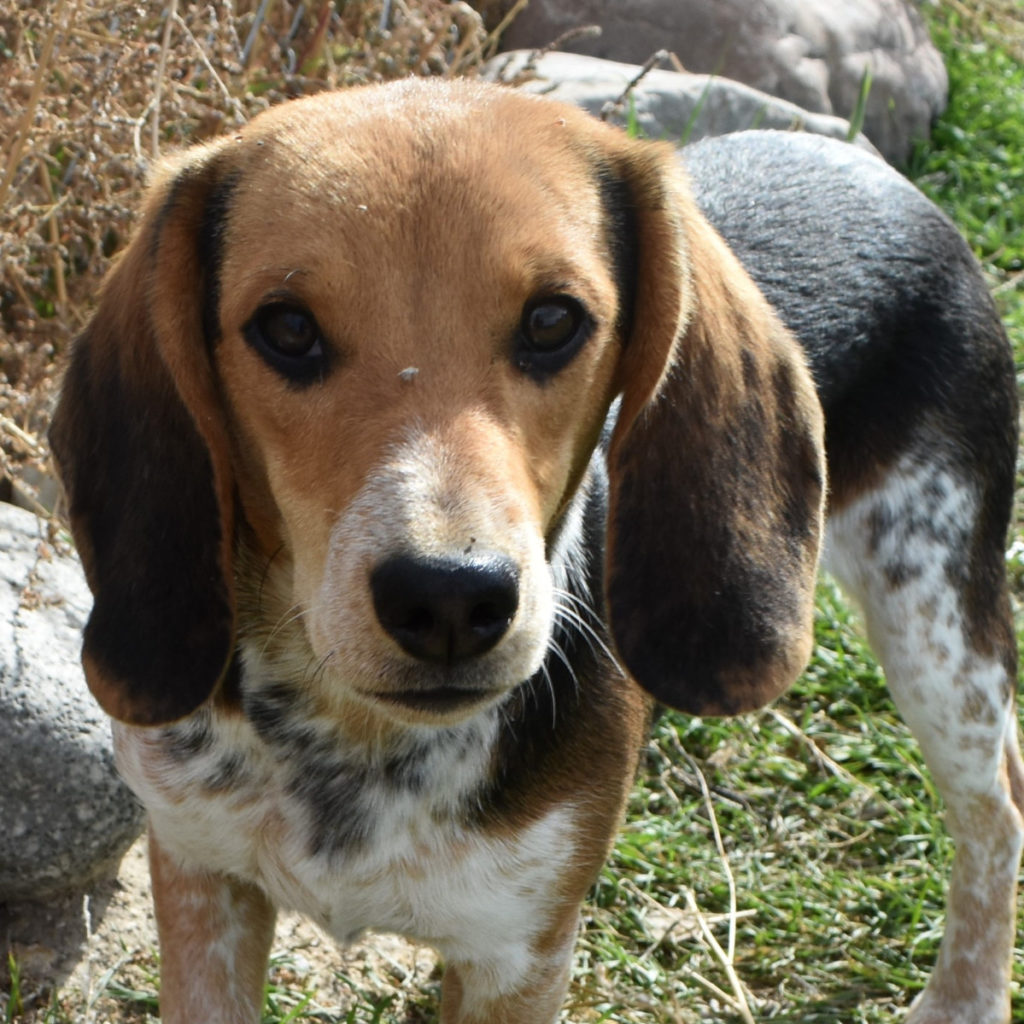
pixel 65 816
pixel 666 104
pixel 813 53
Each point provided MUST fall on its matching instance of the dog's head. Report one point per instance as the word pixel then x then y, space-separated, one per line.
pixel 366 348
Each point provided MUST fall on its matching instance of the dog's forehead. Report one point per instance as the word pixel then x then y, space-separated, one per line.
pixel 418 156
pixel 375 195
pixel 377 129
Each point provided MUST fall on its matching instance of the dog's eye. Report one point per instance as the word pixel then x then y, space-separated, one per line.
pixel 550 333
pixel 289 339
pixel 552 324
pixel 289 331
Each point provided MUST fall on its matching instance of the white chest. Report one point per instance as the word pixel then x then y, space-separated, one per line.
pixel 416 868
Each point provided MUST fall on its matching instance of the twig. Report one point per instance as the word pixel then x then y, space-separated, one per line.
pixel 723 856
pixel 161 68
pixel 12 428
pixel 1009 284
pixel 827 763
pixel 674 60
pixel 643 897
pixel 469 26
pixel 22 132
pixel 819 755
pixel 738 999
pixel 726 958
pixel 529 68
pixel 138 123
pixel 655 58
pixel 44 213
pixel 232 102
pixel 92 37
pixel 20 289
pixel 490 44
pixel 257 24
pixel 720 846
pixel 54 231
pixel 319 39
pixel 569 36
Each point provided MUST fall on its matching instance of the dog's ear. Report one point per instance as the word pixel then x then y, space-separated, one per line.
pixel 141 446
pixel 716 467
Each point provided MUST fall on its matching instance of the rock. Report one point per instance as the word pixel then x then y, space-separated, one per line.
pixel 813 53
pixel 666 104
pixel 65 816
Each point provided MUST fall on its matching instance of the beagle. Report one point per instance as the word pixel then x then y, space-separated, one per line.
pixel 426 434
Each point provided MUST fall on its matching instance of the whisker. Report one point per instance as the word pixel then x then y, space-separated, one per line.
pixel 572 611
pixel 556 649
pixel 293 614
pixel 321 667
pixel 551 689
pixel 264 576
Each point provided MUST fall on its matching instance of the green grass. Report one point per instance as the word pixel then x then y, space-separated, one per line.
pixel 14 1006
pixel 973 167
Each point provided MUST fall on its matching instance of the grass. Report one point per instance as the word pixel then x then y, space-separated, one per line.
pixel 788 866
pixel 974 164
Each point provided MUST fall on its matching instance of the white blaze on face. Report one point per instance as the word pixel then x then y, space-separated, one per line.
pixel 428 501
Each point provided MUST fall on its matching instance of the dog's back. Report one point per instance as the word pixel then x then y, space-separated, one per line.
pixel 881 290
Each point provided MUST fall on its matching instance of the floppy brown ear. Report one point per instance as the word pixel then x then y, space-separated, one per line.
pixel 142 451
pixel 716 470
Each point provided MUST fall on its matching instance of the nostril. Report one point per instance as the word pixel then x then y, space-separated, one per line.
pixel 415 620
pixel 484 616
pixel 446 610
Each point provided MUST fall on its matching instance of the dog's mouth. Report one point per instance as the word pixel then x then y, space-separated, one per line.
pixel 441 700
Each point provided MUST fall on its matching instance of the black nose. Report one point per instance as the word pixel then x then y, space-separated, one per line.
pixel 446 610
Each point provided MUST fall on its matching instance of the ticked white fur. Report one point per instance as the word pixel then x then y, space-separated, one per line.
pixel 891 548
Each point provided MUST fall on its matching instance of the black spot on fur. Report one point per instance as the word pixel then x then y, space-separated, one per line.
pixel 209 246
pixel 333 792
pixel 228 774
pixel 621 233
pixel 189 739
pixel 279 714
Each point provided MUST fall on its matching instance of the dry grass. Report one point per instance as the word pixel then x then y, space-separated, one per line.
pixel 92 92
pixel 998 21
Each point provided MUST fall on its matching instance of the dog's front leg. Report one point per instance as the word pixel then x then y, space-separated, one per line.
pixel 485 992
pixel 215 935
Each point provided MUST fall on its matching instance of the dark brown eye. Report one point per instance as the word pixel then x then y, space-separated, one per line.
pixel 289 340
pixel 291 332
pixel 551 324
pixel 551 332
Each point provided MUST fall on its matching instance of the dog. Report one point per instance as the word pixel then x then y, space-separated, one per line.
pixel 426 436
